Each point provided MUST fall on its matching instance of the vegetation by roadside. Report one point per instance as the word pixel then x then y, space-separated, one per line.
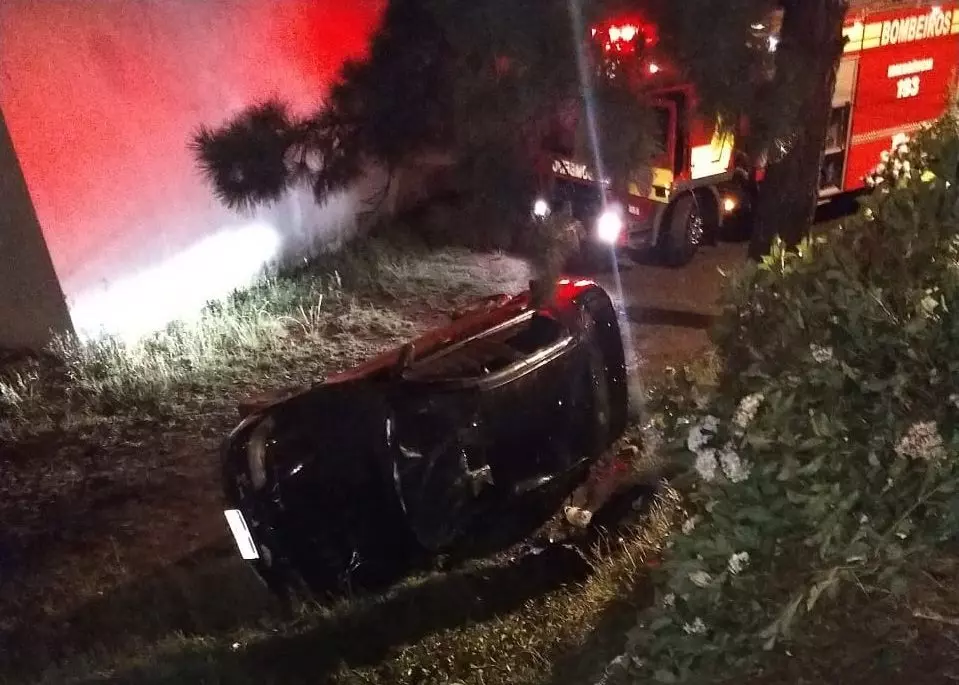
pixel 826 461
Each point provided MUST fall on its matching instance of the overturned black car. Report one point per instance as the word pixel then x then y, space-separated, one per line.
pixel 402 457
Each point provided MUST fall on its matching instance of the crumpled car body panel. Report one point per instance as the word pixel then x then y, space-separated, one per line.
pixel 402 456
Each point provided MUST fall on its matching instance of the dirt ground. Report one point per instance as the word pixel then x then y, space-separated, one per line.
pixel 669 310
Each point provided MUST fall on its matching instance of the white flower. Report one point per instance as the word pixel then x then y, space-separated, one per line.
pixel 689 525
pixel 903 149
pixel 821 354
pixel 884 155
pixel 906 166
pixel 701 433
pixel 922 441
pixel 954 400
pixel 733 467
pixel 706 465
pixel 669 600
pixel 618 662
pixel 697 627
pixel 747 409
pixel 700 578
pixel 738 562
pixel 863 520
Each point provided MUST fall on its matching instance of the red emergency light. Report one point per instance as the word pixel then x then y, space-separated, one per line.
pixel 625 36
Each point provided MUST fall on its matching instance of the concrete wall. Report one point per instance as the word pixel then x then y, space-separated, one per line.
pixel 31 301
pixel 101 98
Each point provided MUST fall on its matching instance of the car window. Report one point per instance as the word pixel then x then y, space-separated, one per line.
pixel 489 352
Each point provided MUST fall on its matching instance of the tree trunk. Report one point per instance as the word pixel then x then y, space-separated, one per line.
pixel 807 60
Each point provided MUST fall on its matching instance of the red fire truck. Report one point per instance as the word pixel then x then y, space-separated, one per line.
pixel 896 74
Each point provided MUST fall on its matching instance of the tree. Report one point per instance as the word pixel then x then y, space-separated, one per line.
pixel 487 81
pixel 806 64
pixel 788 113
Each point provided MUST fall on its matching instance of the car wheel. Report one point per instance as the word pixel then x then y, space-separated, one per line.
pixel 605 331
pixel 684 233
pixel 601 420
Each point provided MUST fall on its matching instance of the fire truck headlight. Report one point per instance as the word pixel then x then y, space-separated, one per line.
pixel 730 204
pixel 541 208
pixel 609 226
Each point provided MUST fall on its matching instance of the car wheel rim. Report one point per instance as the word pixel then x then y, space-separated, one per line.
pixel 696 228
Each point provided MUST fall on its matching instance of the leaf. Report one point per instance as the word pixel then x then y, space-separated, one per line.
pixel 819 588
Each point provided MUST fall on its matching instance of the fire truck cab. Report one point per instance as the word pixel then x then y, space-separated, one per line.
pixel 896 75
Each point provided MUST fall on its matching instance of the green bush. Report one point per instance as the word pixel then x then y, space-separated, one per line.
pixel 827 456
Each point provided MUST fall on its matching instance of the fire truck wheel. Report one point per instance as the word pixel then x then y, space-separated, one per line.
pixel 685 231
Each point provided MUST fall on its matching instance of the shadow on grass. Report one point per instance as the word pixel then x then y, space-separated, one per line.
pixel 211 591
pixel 188 615
pixel 659 316
pixel 319 644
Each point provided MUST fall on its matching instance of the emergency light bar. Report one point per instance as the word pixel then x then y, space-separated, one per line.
pixel 625 36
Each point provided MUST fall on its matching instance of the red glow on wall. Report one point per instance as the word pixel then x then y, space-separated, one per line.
pixel 101 98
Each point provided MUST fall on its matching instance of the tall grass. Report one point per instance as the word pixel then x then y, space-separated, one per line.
pixel 338 299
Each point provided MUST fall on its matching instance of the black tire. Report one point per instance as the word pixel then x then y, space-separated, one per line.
pixel 606 335
pixel 683 233
pixel 601 428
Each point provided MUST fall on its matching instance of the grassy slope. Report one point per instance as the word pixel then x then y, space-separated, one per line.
pixel 109 484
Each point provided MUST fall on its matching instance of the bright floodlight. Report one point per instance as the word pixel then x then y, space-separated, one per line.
pixel 541 208
pixel 178 288
pixel 653 68
pixel 609 226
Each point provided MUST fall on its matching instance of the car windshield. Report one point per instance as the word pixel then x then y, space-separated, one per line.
pixel 488 352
